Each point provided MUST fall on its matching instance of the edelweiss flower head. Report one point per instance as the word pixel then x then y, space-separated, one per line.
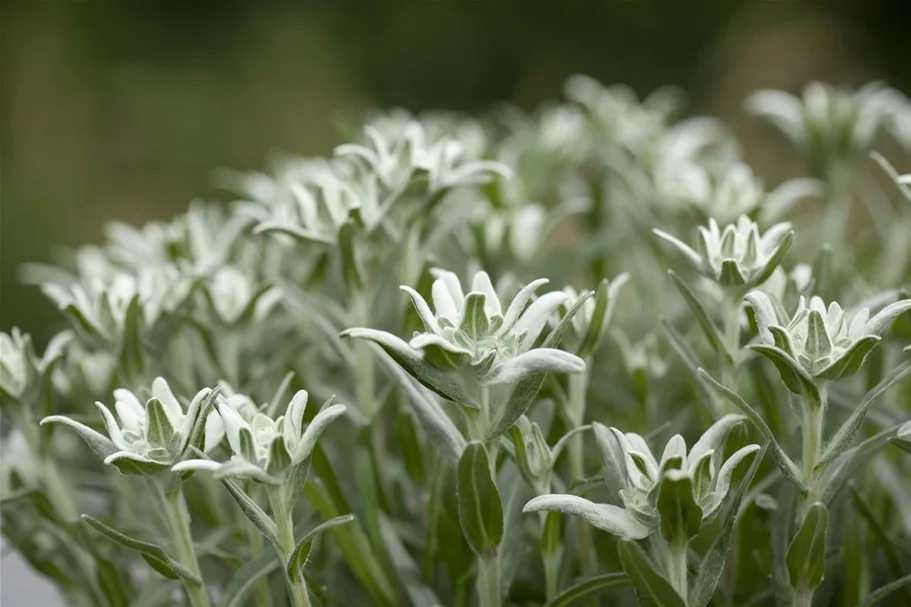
pixel 105 308
pixel 21 371
pixel 819 343
pixel 831 126
pixel 262 448
pixel 737 257
pixel 674 494
pixel 233 296
pixel 473 329
pixel 144 439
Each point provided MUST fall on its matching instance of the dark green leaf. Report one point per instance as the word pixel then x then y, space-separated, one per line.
pixel 480 508
pixel 702 317
pixel 298 558
pixel 680 515
pixel 652 588
pixel 153 554
pixel 807 552
pixel 589 589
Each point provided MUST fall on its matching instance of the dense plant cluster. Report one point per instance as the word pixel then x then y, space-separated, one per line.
pixel 619 369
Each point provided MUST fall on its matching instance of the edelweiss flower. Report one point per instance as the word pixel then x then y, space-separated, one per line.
pixel 474 330
pixel 831 126
pixel 263 448
pixel 736 257
pixel 150 438
pixel 818 343
pixel 21 370
pixel 657 494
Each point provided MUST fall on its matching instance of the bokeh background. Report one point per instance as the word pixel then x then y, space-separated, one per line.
pixel 123 109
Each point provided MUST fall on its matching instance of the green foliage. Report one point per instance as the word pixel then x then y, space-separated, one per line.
pixel 465 414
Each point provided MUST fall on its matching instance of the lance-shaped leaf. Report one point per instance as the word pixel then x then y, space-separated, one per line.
pixel 480 508
pixel 97 442
pixel 842 438
pixel 589 589
pixel 538 360
pixel 792 373
pixel 413 362
pixel 790 469
pixel 607 517
pixel 652 588
pixel 679 514
pixel 295 565
pixel 807 552
pixel 442 432
pixel 153 554
pixel 605 302
pixel 708 327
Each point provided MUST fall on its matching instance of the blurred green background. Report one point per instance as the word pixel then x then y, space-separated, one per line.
pixel 121 110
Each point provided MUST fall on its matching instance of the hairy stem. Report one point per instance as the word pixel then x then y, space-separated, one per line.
pixel 578 386
pixel 489 580
pixel 179 522
pixel 677 568
pixel 811 443
pixel 297 588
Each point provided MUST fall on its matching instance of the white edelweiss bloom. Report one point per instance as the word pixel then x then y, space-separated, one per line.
pixel 233 296
pixel 698 480
pixel 818 343
pixel 474 329
pixel 830 125
pixel 738 256
pixel 262 448
pixel 21 370
pixel 145 438
pixel 102 306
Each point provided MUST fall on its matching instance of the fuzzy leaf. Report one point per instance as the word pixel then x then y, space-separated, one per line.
pixel 652 588
pixel 807 552
pixel 295 565
pixel 97 442
pixel 153 554
pixel 480 508
pixel 442 432
pixel 702 317
pixel 842 438
pixel 790 469
pixel 411 361
pixel 589 589
pixel 613 519
pixel 680 516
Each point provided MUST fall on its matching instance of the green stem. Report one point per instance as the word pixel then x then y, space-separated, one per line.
pixel 489 580
pixel 297 588
pixel 677 568
pixel 365 379
pixel 578 387
pixel 811 435
pixel 179 522
pixel 255 540
pixel 802 598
